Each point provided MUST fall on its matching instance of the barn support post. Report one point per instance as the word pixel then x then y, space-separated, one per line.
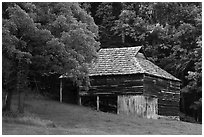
pixel 97 103
pixel 61 90
pixel 79 95
pixel 79 101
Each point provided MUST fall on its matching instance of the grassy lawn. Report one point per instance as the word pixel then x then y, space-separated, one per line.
pixel 52 117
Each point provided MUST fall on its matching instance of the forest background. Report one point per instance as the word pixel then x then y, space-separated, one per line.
pixel 41 41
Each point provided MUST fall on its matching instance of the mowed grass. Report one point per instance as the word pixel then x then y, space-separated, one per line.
pixel 74 119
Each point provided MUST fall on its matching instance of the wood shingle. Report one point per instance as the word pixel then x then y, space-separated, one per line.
pixel 127 60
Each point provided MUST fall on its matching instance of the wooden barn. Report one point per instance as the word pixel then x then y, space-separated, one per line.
pixel 125 82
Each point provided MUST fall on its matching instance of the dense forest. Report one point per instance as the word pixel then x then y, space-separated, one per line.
pixel 41 41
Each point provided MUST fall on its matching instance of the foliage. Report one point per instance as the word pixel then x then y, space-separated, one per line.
pixel 45 39
pixel 170 34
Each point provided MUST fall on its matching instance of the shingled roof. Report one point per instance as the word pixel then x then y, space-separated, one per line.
pixel 127 60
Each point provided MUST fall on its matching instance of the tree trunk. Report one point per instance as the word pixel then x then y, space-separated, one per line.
pixel 20 86
pixel 7 104
pixel 21 96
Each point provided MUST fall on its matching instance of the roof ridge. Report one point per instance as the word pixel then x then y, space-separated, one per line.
pixel 121 48
pixel 137 64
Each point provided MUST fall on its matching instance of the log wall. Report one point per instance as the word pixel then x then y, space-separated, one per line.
pixel 120 84
pixel 167 91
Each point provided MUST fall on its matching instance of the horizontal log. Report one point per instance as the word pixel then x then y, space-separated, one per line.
pixel 158 80
pixel 175 89
pixel 110 93
pixel 114 89
pixel 152 76
pixel 151 89
pixel 177 96
pixel 119 82
pixel 96 93
pixel 128 93
pixel 164 96
pixel 150 95
pixel 165 112
pixel 162 85
pixel 161 81
pixel 113 85
pixel 133 80
pixel 168 92
pixel 168 108
pixel 168 103
pixel 132 83
pixel 173 83
pixel 161 92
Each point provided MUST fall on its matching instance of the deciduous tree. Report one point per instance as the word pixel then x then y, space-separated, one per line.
pixel 47 38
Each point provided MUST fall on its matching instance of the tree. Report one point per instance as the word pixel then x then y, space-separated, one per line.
pixel 48 38
pixel 170 34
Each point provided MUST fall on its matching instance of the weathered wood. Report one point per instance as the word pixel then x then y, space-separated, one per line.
pixel 114 79
pixel 152 107
pixel 176 89
pixel 168 111
pixel 115 90
pixel 138 105
pixel 168 107
pixel 128 86
pixel 60 90
pixel 167 91
pixel 109 93
pixel 167 104
pixel 133 80
pixel 173 83
pixel 151 89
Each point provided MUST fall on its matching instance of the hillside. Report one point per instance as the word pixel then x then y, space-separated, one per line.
pixel 73 119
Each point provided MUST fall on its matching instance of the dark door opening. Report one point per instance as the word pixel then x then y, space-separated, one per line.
pixel 69 92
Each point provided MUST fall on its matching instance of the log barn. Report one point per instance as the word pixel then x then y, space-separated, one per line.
pixel 125 82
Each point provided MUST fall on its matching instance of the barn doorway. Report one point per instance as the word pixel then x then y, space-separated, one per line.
pixel 106 103
pixel 69 91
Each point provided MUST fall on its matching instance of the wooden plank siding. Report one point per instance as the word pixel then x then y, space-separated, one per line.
pixel 119 84
pixel 138 105
pixel 167 91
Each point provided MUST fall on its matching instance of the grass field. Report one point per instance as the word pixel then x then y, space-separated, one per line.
pixel 44 116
